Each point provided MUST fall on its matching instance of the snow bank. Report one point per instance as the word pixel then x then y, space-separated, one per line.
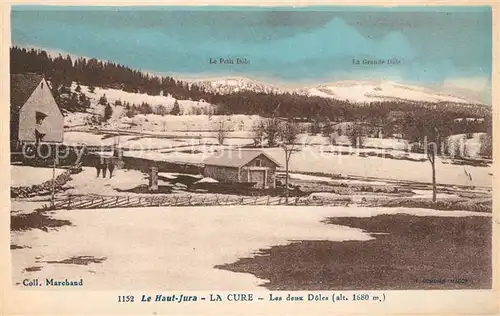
pixel 390 143
pixel 175 175
pixel 27 176
pixel 172 156
pixel 207 180
pixel 312 139
pixel 305 177
pixel 82 138
pixel 428 194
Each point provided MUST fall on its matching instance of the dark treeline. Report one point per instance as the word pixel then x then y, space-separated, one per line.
pixel 61 71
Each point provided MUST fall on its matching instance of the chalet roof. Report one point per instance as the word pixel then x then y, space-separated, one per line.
pixel 21 88
pixel 236 158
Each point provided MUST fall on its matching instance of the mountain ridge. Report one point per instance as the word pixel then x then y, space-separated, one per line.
pixel 354 91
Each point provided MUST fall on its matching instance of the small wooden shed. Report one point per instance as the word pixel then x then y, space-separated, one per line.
pixel 242 166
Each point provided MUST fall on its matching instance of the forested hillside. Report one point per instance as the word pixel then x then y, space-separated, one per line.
pixel 61 71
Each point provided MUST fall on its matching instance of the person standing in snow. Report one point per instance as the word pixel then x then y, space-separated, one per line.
pixel 111 167
pixel 104 167
pixel 98 163
pixel 98 168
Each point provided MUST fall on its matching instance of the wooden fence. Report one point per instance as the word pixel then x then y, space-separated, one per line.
pixel 97 202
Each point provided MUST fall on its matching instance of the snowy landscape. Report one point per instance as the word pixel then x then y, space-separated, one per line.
pixel 178 228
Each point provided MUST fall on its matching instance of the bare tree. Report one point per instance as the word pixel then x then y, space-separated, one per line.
pixel 257 132
pixel 161 110
pixel 272 127
pixel 429 128
pixel 222 131
pixel 289 132
pixel 357 135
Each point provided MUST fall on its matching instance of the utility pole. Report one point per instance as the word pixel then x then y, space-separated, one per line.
pixel 53 184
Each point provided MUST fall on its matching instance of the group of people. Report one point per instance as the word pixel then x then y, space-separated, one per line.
pixel 103 165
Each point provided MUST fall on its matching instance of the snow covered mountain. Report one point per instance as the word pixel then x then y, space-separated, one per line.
pixel 366 92
pixel 352 91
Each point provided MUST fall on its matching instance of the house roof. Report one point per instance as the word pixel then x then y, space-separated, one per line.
pixel 21 88
pixel 236 158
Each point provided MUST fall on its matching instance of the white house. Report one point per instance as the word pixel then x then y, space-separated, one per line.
pixel 34 114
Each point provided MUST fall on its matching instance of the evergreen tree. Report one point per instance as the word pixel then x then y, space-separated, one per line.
pixel 108 112
pixel 145 108
pixel 103 100
pixel 176 110
pixel 327 129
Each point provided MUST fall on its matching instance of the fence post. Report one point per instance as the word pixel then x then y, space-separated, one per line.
pixel 279 201
pixel 268 198
pixel 256 197
pixel 116 202
pixel 297 200
pixel 153 179
pixel 69 201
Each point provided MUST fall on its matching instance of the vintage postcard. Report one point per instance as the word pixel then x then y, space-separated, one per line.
pixel 278 159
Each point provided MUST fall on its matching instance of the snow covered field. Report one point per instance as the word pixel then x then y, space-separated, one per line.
pixel 178 249
pixel 181 138
pixel 312 160
pixel 148 142
pixel 26 175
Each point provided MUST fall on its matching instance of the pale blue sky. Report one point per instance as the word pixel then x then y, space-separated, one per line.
pixel 437 46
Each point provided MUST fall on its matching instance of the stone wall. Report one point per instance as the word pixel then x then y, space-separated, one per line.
pixel 46 187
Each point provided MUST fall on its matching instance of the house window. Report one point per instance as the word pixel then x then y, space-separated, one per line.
pixel 258 163
pixel 39 117
pixel 41 86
